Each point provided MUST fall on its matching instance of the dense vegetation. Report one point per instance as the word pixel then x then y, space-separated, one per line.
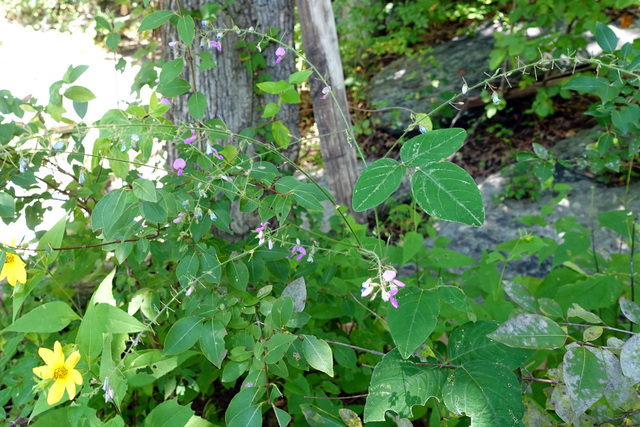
pixel 141 307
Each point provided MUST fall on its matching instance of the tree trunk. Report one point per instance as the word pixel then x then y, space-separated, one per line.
pixel 229 88
pixel 321 49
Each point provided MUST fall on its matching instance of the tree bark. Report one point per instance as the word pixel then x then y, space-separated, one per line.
pixel 321 49
pixel 229 88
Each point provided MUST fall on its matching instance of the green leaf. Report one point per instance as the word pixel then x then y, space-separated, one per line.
pixel 241 411
pixel 89 338
pixel 282 311
pixel 47 318
pixel 53 238
pixel 186 29
pixel 112 41
pixel 79 93
pixel 187 269
pixel 412 323
pixel 197 105
pixel 103 23
pixel 520 295
pixel 447 192
pixel 376 183
pixel 630 359
pixel 397 385
pixel 116 321
pixel 455 297
pixel 110 212
pixel 212 341
pixel 305 194
pixel 171 70
pixel 606 38
pixel 283 417
pixel 299 76
pixel 432 146
pixel 318 417
pixel 154 20
pixel 169 414
pixel 281 134
pixel 586 84
pixel 270 110
pixel 318 354
pixel 144 189
pixel 80 108
pixel 530 331
pixel 274 87
pixel 297 290
pixel 277 347
pixel 470 343
pixel 274 205
pixel 489 393
pixel 182 335
pixel 584 377
pixel 173 88
pixel 7 205
pixel 73 73
pixel 156 213
pixel 238 275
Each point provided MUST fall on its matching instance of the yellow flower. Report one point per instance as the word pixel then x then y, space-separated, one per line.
pixel 13 268
pixel 59 370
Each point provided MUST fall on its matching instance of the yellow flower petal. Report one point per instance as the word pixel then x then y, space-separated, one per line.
pixel 58 355
pixel 47 355
pixel 72 360
pixel 44 372
pixel 75 376
pixel 55 393
pixel 71 387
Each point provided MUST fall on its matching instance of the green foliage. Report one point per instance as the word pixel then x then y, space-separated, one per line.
pixel 179 322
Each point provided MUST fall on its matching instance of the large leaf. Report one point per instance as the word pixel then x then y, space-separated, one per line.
pixel 397 385
pixel 584 376
pixel 377 182
pixel 412 323
pixel 115 321
pixel 186 29
pixel 197 104
pixel 432 146
pixel 79 94
pixel 470 343
pixel 109 213
pixel 212 341
pixel 318 354
pixel 489 393
pixel 530 331
pixel 606 38
pixel 586 83
pixel 630 359
pixel 169 414
pixel 182 335
pixel 171 70
pixel 47 318
pixel 242 412
pixel 447 192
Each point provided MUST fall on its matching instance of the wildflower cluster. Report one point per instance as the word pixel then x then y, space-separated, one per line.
pixel 388 287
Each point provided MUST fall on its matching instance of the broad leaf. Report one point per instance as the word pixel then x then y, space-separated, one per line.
pixel 412 323
pixel 630 359
pixel 79 94
pixel 182 335
pixel 489 393
pixel 197 104
pixel 242 412
pixel 212 341
pixel 376 183
pixel 447 192
pixel 432 146
pixel 584 376
pixel 630 310
pixel 530 331
pixel 318 354
pixel 169 414
pixel 186 29
pixel 397 385
pixel 47 318
pixel 154 20
pixel 606 38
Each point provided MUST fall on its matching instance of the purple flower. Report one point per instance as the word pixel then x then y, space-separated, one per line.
pixel 260 231
pixel 390 276
pixel 215 44
pixel 210 150
pixel 280 53
pixel 166 101
pixel 179 164
pixel 172 44
pixel 325 92
pixel 179 218
pixel 297 248
pixel 392 293
pixel 191 138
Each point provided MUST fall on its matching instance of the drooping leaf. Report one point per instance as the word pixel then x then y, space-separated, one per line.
pixel 376 183
pixel 447 192
pixel 398 384
pixel 412 323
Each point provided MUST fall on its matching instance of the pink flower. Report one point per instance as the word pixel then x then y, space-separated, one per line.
pixel 390 276
pixel 191 138
pixel 215 44
pixel 297 248
pixel 179 164
pixel 280 53
pixel 166 101
pixel 179 218
pixel 392 293
pixel 260 231
pixel 325 92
